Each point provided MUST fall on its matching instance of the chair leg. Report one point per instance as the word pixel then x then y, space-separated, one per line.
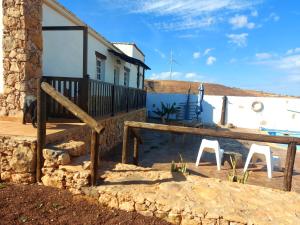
pixel 199 156
pixel 269 164
pixel 250 154
pixel 218 158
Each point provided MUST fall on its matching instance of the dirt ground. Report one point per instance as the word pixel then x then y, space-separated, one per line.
pixel 160 149
pixel 34 204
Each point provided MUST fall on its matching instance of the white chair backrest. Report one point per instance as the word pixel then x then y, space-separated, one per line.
pixel 210 144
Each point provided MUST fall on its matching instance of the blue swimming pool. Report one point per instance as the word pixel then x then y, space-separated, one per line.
pixel 274 132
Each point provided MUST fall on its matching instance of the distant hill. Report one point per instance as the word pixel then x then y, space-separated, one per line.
pixel 182 87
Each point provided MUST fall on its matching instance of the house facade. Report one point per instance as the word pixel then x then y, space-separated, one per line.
pixel 74 58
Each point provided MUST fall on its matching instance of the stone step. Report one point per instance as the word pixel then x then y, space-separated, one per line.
pixel 74 148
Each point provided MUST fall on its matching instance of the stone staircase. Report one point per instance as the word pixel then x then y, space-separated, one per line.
pixel 67 166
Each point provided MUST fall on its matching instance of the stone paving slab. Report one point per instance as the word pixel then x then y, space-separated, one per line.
pixel 193 200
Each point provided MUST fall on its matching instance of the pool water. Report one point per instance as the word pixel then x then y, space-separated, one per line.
pixel 273 132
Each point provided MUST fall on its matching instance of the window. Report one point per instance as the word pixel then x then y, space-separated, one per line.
pixel 99 69
pixel 116 75
pixel 100 66
pixel 126 76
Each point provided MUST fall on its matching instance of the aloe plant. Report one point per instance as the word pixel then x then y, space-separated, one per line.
pixel 166 110
pixel 234 177
pixel 180 167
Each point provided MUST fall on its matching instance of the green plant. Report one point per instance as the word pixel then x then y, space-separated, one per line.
pixel 166 110
pixel 181 166
pixel 234 177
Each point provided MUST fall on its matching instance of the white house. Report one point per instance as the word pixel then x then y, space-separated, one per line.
pixel 43 38
pixel 64 51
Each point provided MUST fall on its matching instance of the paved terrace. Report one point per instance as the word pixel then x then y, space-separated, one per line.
pixel 54 130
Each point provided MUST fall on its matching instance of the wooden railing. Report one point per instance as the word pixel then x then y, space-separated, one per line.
pixel 45 88
pixel 95 97
pixel 291 141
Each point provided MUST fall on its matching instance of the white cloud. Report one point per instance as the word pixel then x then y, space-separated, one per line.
pixel 189 76
pixel 241 21
pixel 184 14
pixel 233 60
pixel 207 51
pixel 254 13
pixel 288 64
pixel 273 17
pixel 294 78
pixel 211 60
pixel 238 39
pixel 161 54
pixel 263 55
pixel 293 51
pixel 196 55
pixel 186 24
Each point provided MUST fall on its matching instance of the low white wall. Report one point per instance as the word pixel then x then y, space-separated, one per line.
pixel 278 113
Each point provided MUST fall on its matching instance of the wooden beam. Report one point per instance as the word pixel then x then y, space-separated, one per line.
pixel 136 134
pixel 125 144
pixel 94 157
pixel 135 151
pixel 74 109
pixel 85 53
pixel 41 129
pixel 214 133
pixel 62 28
pixel 289 166
pixel 224 109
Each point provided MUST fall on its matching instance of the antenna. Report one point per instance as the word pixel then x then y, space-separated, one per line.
pixel 172 60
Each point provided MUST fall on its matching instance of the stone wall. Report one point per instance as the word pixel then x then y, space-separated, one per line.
pixel 17 159
pixel 22 53
pixel 18 154
pixel 113 134
pixel 193 200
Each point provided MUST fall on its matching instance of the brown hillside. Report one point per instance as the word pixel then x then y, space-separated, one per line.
pixel 182 87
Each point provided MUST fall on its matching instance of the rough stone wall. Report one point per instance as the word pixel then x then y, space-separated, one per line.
pixel 17 159
pixel 193 200
pixel 22 53
pixel 113 134
pixel 18 154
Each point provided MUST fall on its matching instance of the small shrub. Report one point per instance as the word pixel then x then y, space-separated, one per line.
pixel 181 166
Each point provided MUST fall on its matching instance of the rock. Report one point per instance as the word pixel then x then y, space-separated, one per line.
pixel 64 159
pixel 74 148
pixel 127 206
pixel 23 178
pixel 23 160
pixel 55 157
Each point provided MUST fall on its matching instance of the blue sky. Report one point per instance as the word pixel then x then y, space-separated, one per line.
pixel 246 44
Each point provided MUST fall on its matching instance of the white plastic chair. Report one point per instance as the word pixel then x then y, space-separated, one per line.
pixel 266 151
pixel 212 144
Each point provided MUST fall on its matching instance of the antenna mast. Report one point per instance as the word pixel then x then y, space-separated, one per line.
pixel 172 60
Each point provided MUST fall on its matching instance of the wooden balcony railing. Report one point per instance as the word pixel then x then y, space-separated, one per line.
pixel 97 98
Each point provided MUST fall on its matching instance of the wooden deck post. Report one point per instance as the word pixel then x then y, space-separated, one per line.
pixel 224 109
pixel 94 156
pixel 289 166
pixel 41 129
pixel 125 144
pixel 135 151
pixel 113 100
